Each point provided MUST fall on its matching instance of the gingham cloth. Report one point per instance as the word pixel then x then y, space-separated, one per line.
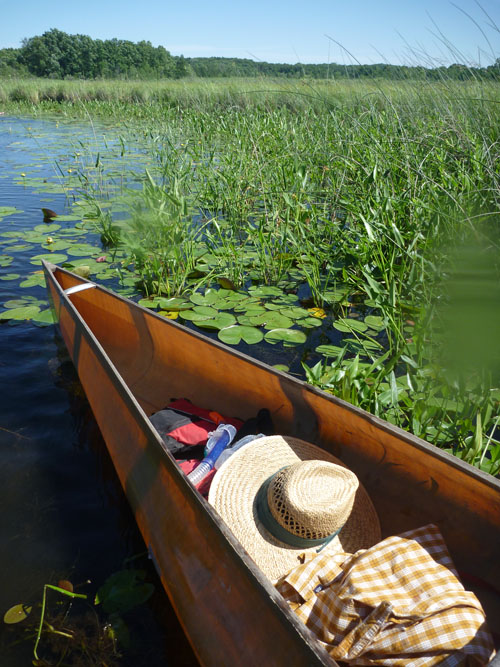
pixel 398 603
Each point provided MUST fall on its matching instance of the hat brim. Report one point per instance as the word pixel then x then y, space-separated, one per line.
pixel 234 488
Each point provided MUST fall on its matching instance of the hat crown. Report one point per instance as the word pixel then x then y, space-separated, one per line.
pixel 312 499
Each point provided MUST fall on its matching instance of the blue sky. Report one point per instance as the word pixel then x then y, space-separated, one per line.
pixel 427 32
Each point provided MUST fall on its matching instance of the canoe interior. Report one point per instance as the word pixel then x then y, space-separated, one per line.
pixel 410 482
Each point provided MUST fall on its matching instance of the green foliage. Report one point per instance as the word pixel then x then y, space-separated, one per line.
pixel 57 55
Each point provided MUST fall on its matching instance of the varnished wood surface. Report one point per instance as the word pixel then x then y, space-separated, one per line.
pixel 131 362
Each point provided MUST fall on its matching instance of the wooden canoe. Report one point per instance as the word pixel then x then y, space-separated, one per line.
pixel 131 362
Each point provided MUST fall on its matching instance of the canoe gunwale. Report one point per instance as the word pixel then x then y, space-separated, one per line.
pixel 165 459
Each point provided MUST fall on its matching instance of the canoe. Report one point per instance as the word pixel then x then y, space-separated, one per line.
pixel 131 362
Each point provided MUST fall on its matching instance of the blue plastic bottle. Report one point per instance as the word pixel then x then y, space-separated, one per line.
pixel 229 451
pixel 218 440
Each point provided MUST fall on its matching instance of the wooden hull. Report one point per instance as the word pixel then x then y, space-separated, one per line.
pixel 131 362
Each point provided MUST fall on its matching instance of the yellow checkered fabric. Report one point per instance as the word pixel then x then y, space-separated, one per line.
pixel 398 603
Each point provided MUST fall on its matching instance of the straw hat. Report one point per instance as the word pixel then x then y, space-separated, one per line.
pixel 285 499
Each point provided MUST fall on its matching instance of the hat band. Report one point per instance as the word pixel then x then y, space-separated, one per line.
pixel 276 529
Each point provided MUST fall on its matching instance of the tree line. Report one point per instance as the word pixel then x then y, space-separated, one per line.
pixel 57 55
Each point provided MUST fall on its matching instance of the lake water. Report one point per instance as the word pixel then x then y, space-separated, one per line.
pixel 64 515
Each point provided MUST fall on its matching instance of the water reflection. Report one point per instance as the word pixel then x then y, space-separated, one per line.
pixel 64 515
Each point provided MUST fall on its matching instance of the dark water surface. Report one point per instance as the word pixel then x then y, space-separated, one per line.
pixel 63 513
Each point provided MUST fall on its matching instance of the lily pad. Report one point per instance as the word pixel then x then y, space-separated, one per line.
pixel 289 337
pixel 47 228
pixel 56 245
pixel 295 313
pixel 236 333
pixel 8 210
pixel 5 260
pixel 123 591
pixel 16 614
pixel 375 322
pixel 265 291
pixel 22 313
pixel 309 322
pixel 10 276
pixel 34 280
pixel 329 350
pixel 68 218
pixel 199 313
pixel 364 345
pixel 282 367
pixel 175 304
pixel 348 325
pixel 221 321
pixel 55 258
pixel 317 312
pixel 83 250
pixel 271 320
pixel 18 303
pixel 149 302
pixel 44 317
pixel 169 314
pixel 206 299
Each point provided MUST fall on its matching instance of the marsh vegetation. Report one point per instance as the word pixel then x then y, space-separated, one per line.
pixel 354 224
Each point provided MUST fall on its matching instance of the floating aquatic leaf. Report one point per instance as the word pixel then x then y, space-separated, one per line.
pixel 265 291
pixel 234 334
pixel 375 322
pixel 56 245
pixel 317 312
pixel 34 280
pixel 199 313
pixel 364 345
pixel 17 613
pixel 17 303
pixel 68 218
pixel 339 294
pixel 206 299
pixel 123 591
pixel 329 350
pixel 55 258
pixel 249 306
pixel 8 210
pixel 20 247
pixel 5 260
pixel 47 229
pixel 271 320
pixel 282 367
pixel 289 337
pixel 44 317
pixel 83 250
pixel 169 314
pixel 72 232
pixel 221 321
pixel 175 303
pixel 227 284
pixel 10 276
pixel 347 325
pixel 22 313
pixel 310 322
pixel 295 313
pixel 149 302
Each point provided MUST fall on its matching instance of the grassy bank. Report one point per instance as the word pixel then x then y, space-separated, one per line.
pixel 375 203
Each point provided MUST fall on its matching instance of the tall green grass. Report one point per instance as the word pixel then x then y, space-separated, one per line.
pixel 353 194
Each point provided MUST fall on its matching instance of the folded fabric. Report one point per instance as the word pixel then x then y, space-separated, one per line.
pixel 398 603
